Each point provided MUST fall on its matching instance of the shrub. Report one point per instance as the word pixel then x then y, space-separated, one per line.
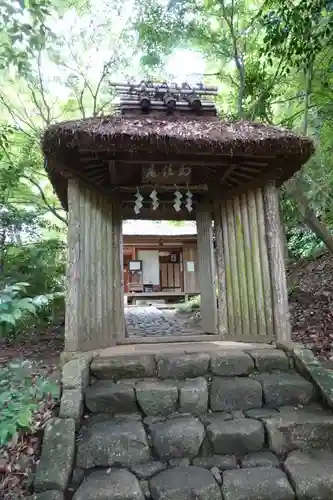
pixel 21 395
pixel 16 307
pixel 191 305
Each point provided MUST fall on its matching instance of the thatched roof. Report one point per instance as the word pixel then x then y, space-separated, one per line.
pixel 110 153
pixel 207 134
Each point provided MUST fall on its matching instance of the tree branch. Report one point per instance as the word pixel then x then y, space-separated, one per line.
pixel 51 209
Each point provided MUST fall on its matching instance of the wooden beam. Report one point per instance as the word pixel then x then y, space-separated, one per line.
pixel 144 156
pixel 228 171
pixel 246 168
pixel 148 214
pixel 227 194
pixel 238 173
pixel 165 187
pixel 232 179
pixel 112 172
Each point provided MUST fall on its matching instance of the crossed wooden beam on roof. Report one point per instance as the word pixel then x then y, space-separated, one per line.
pixel 147 96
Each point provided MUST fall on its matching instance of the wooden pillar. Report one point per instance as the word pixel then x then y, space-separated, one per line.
pixel 275 246
pixel 206 268
pixel 94 304
pixel 220 271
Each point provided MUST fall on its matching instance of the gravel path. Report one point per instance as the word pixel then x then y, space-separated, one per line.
pixel 149 320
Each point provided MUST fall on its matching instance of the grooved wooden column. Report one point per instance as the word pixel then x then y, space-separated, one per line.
pixel 206 268
pixel 243 267
pixel 276 263
pixel 94 305
pixel 222 322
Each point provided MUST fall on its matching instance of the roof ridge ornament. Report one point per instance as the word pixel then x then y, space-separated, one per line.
pixel 146 96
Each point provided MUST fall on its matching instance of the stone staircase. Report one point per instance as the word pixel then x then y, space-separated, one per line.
pixel 221 425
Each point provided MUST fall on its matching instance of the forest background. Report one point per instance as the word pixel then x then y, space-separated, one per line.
pixel 271 60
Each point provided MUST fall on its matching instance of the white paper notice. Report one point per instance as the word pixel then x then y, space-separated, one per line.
pixel 190 266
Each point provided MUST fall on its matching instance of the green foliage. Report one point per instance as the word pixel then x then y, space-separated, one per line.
pixel 40 263
pixel 297 31
pixel 302 243
pixel 22 31
pixel 192 305
pixel 21 393
pixel 16 307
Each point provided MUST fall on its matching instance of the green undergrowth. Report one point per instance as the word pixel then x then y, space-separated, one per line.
pixel 192 305
pixel 20 312
pixel 25 398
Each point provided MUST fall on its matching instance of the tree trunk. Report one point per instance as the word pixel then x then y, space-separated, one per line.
pixel 309 217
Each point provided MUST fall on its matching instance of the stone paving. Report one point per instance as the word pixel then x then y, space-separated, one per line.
pixel 150 320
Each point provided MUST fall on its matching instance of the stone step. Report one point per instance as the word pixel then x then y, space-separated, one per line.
pixel 311 474
pixel 305 477
pixel 156 397
pixel 180 365
pixel 126 440
pixel 260 483
pixel 299 429
pixel 121 441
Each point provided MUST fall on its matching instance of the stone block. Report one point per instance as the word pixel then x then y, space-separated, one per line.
pixel 114 485
pixel 47 495
pixel 185 483
pixel 75 374
pixel 260 413
pixel 236 437
pixel 217 475
pixel 71 405
pixel 96 418
pixel 124 366
pixel 269 360
pixel 238 393
pixel 147 470
pixel 182 366
pixel 308 364
pixel 113 442
pixel 217 416
pixel 301 430
pixel 311 475
pixel 237 414
pixel 283 388
pixel 178 414
pixel 260 483
pixel 222 462
pixel 260 459
pixel 193 396
pixel 128 416
pixel 153 420
pixel 177 438
pixel 58 450
pixel 230 364
pixel 156 397
pixel 106 396
pixel 179 462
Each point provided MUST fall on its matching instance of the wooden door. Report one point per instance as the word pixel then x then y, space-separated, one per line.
pixel 171 272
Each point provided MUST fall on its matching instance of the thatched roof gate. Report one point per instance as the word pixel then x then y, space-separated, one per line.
pixel 165 154
pixel 111 153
